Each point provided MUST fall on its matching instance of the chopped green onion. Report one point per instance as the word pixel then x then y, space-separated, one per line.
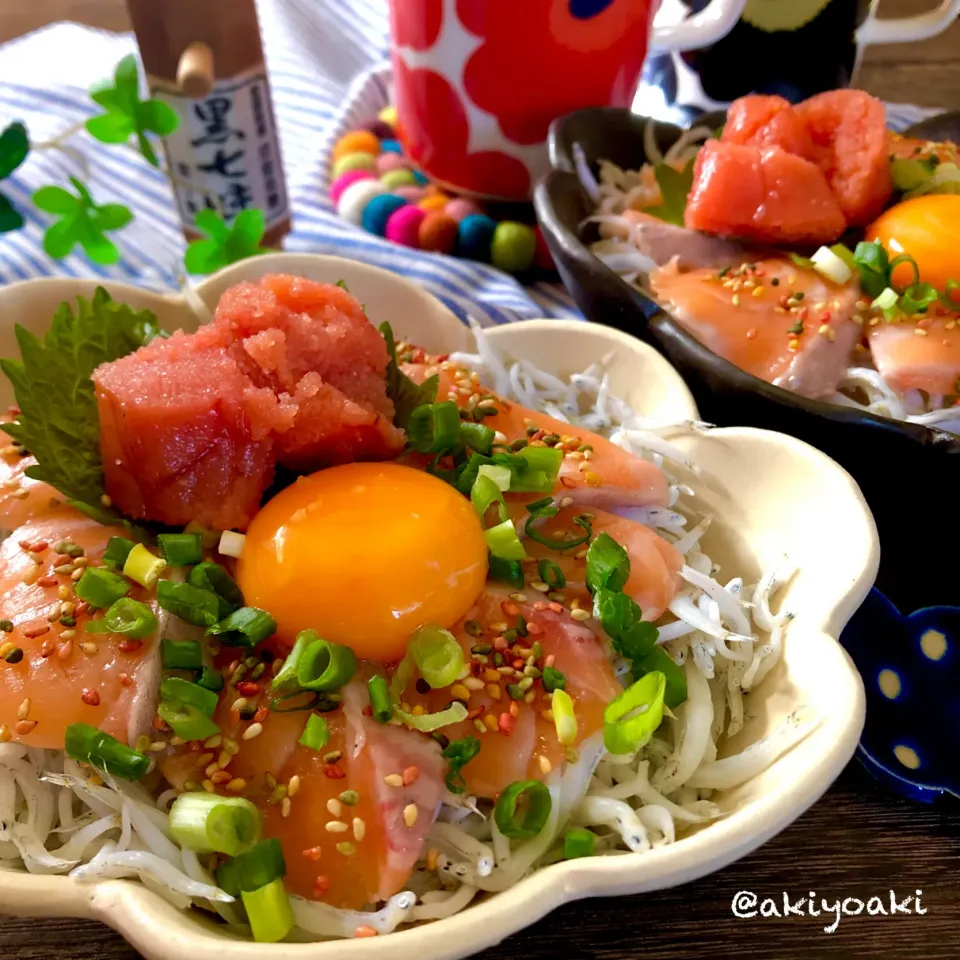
pixel 208 538
pixel 944 179
pixel 498 474
pixel 437 655
pixel 543 467
pixel 180 654
pixel 804 262
pixel 232 544
pixel 208 823
pixel 538 804
pixel 428 722
pixel 210 679
pixel 192 694
pixel 874 265
pixel 622 621
pixel 227 876
pixel 306 700
pixel 919 296
pixel 485 492
pixel 458 753
pixel 325 666
pixel 245 627
pixel 129 617
pixel 477 436
pixel 551 574
pixel 608 564
pixel 544 509
pixel 886 301
pixel 908 173
pixel 269 912
pixel 180 549
pixel 211 576
pixel 564 718
pixel 117 551
pixel 658 660
pixel 286 678
pixel 90 745
pixel 316 733
pixel 143 567
pixel 631 719
pixel 907 259
pixel 842 251
pixel 553 680
pixel 199 607
pixel 261 865
pixel 101 588
pixel 504 542
pixel 506 571
pixel 434 427
pixel 380 699
pixel 185 721
pixel 578 842
pixel 829 265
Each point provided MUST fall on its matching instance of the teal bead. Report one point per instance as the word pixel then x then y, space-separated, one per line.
pixel 513 248
pixel 420 178
pixel 354 161
pixel 391 146
pixel 398 178
pixel 379 210
pixel 474 236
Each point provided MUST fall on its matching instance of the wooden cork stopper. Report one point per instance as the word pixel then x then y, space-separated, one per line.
pixel 195 71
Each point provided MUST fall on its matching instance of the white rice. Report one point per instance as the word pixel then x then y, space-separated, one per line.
pixel 55 819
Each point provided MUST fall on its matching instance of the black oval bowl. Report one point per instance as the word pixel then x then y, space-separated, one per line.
pixel 909 474
pixel 892 461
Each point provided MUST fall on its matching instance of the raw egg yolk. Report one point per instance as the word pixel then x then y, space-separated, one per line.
pixel 364 554
pixel 926 228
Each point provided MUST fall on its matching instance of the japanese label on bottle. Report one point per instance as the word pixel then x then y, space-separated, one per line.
pixel 225 155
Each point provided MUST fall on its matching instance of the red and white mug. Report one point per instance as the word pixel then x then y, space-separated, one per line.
pixel 478 82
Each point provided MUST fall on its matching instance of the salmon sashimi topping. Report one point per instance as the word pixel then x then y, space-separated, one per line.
pixel 654 563
pixel 191 426
pixel 909 362
pixel 21 497
pixel 519 738
pixel 798 332
pixel 378 785
pixel 55 674
pixel 604 475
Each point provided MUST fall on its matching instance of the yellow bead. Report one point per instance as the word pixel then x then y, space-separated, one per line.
pixel 388 115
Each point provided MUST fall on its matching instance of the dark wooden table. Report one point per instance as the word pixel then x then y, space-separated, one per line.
pixel 858 841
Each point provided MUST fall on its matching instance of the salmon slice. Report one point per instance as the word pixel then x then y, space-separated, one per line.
pixel 798 333
pixel 109 682
pixel 910 362
pixel 665 242
pixel 520 740
pixel 385 824
pixel 912 148
pixel 611 476
pixel 849 132
pixel 761 194
pixel 654 563
pixel 20 496
pixel 765 121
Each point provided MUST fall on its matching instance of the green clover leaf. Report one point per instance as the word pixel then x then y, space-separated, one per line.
pixel 82 222
pixel 14 147
pixel 225 244
pixel 127 115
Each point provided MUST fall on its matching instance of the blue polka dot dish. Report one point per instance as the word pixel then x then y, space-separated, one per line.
pixel 911 671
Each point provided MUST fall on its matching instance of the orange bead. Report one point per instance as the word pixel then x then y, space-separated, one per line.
pixel 433 203
pixel 438 232
pixel 358 141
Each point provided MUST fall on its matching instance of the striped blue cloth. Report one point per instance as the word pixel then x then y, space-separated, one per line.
pixel 328 70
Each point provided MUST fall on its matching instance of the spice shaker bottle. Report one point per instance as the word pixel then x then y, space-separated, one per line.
pixel 205 59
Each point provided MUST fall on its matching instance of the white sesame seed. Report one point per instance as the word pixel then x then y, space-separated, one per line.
pixel 393 780
pixel 254 730
pixel 285 807
pixel 580 615
pixel 334 807
pixel 336 826
pixel 293 786
pixel 359 828
pixel 410 814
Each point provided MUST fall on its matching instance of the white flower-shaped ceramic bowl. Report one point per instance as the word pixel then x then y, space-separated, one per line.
pixel 770 495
